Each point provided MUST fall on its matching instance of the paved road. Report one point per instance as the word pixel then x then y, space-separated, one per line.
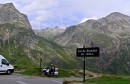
pixel 19 79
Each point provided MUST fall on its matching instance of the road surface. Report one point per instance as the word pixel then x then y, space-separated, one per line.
pixel 19 79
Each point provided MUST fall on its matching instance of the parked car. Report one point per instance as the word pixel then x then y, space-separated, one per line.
pixel 5 66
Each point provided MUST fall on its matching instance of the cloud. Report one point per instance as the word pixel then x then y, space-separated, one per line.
pixel 38 11
pixel 85 19
pixel 42 13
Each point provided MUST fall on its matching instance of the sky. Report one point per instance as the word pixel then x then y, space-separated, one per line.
pixel 64 13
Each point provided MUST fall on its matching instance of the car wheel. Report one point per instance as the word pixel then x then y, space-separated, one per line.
pixel 8 72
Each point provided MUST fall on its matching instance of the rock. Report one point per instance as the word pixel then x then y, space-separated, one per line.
pixel 9 14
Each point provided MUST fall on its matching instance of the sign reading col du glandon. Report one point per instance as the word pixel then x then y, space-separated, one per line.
pixel 88 52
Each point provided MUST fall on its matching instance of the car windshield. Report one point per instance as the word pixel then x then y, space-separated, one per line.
pixel 4 61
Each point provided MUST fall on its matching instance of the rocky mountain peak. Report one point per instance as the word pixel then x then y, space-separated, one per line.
pixel 9 14
pixel 49 33
pixel 8 7
pixel 116 16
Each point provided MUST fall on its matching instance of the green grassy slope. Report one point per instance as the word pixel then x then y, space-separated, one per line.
pixel 24 49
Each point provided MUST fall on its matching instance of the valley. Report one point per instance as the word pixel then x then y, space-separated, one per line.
pixel 24 47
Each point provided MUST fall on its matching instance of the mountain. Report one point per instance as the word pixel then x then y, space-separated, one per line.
pixel 20 45
pixel 23 48
pixel 9 14
pixel 49 33
pixel 110 33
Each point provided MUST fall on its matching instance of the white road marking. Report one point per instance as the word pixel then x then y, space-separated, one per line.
pixel 21 82
pixel 56 81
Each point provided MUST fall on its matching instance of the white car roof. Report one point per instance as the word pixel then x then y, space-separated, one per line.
pixel 1 57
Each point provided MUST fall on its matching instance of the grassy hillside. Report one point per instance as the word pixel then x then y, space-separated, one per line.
pixel 24 49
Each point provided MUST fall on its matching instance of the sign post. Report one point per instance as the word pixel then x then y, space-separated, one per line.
pixel 87 52
pixel 40 64
pixel 84 69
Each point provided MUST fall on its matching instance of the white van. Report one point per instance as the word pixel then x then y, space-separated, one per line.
pixel 5 67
